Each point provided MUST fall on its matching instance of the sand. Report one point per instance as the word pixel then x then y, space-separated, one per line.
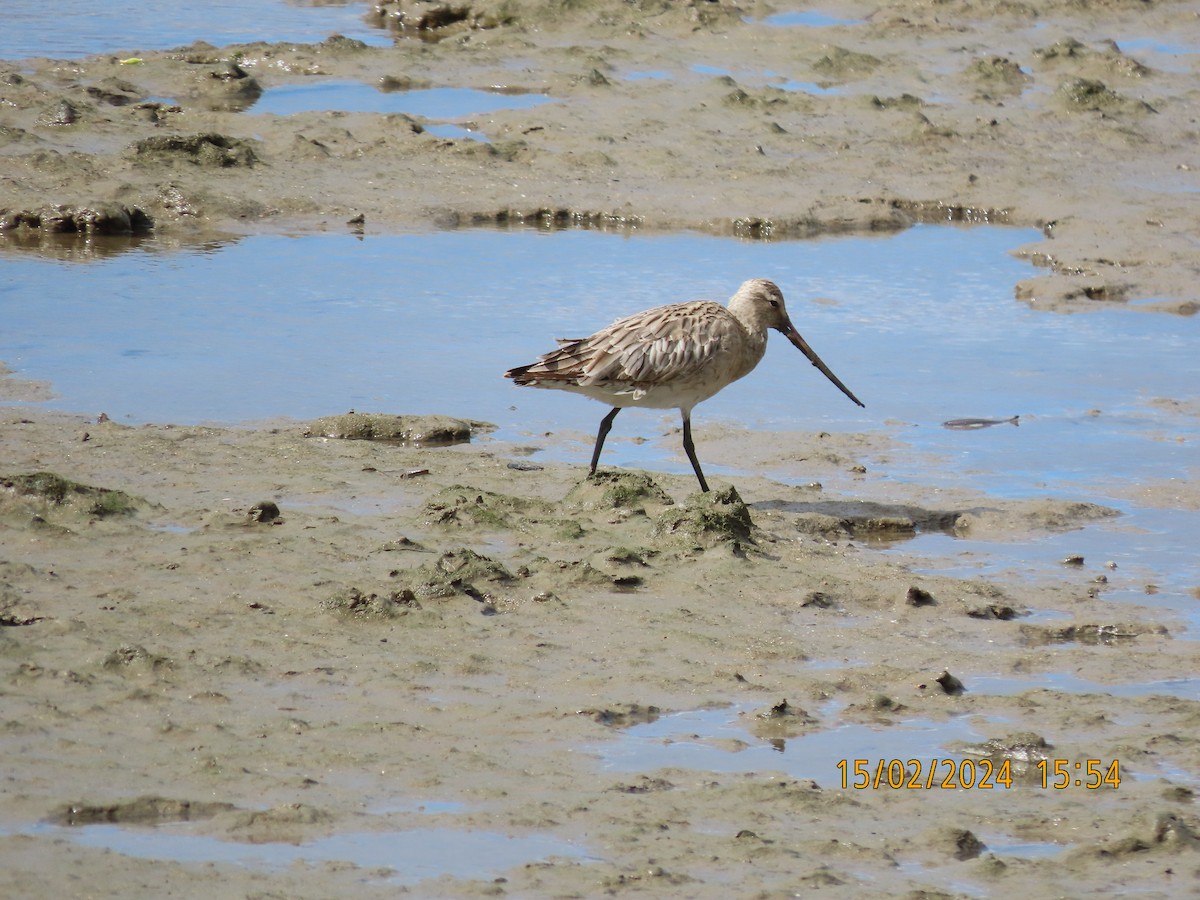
pixel 271 637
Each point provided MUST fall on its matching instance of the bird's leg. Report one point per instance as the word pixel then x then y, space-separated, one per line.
pixel 605 425
pixel 690 449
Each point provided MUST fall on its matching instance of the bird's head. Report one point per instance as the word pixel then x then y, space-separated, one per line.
pixel 758 304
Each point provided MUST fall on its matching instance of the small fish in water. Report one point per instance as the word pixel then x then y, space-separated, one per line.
pixel 972 424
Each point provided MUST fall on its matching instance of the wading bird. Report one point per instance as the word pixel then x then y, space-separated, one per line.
pixel 670 357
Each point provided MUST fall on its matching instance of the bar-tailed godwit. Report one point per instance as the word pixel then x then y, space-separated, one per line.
pixel 670 357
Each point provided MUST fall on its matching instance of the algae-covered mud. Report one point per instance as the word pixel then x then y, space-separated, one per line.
pixel 377 653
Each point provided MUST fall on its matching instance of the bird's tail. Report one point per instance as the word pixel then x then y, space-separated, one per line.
pixel 520 374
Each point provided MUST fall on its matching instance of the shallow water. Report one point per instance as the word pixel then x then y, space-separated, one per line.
pixel 457 132
pixel 163 334
pixel 648 74
pixel 720 740
pixel 723 739
pixel 69 29
pixel 1153 549
pixel 772 79
pixel 1003 845
pixel 921 325
pixel 355 96
pixel 807 18
pixel 1170 57
pixel 411 855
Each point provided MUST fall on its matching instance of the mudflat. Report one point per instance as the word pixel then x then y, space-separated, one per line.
pixel 273 637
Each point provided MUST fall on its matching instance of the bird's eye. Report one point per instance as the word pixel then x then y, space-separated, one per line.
pixel 775 304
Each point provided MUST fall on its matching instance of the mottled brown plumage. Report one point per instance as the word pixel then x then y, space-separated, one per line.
pixel 670 357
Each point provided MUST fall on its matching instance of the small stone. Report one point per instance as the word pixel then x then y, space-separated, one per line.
pixel 266 511
pixel 919 597
pixel 950 684
pixel 966 845
pixel 816 599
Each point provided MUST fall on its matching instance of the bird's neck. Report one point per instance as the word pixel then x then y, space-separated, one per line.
pixel 753 349
pixel 746 317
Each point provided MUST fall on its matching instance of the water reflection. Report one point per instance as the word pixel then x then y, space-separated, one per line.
pixel 84 247
pixel 355 96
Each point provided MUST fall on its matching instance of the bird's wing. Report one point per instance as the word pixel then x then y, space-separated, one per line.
pixel 658 346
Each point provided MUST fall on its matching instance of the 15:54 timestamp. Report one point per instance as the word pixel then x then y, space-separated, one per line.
pixel 1093 774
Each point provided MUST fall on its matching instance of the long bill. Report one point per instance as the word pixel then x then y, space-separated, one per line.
pixel 802 345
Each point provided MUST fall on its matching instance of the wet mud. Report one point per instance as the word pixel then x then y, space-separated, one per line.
pixel 466 636
pixel 277 634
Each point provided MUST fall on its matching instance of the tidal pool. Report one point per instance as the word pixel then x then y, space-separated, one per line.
pixel 355 96
pixel 919 324
pixel 805 18
pixel 68 29
pixel 410 856
pixel 719 740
